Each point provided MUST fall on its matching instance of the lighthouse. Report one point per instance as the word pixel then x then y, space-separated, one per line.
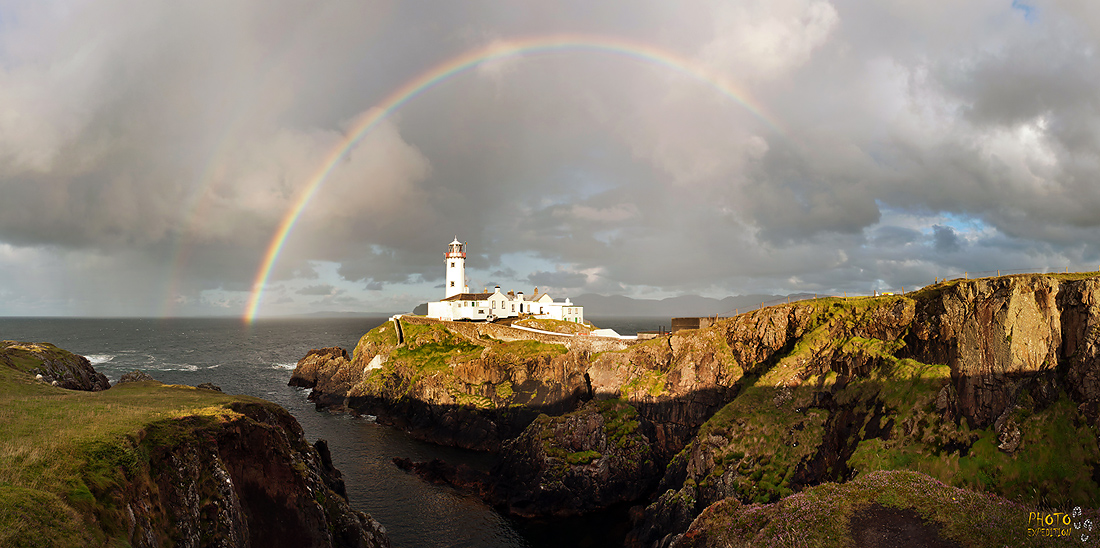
pixel 456 268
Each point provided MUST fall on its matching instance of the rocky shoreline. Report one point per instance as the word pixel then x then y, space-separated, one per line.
pixel 950 382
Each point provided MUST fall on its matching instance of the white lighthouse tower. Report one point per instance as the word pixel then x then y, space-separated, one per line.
pixel 456 268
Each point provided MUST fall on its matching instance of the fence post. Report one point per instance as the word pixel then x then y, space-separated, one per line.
pixel 966 275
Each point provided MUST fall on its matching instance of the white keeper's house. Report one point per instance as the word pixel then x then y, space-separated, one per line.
pixel 459 304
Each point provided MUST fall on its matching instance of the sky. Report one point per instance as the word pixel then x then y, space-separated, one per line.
pixel 282 157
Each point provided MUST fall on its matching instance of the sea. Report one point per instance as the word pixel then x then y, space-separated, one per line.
pixel 257 360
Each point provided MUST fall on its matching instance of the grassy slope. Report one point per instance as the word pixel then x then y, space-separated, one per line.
pixel 59 446
pixel 433 350
pixel 556 326
pixel 819 516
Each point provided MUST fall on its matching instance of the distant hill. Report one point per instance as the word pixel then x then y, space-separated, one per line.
pixel 683 306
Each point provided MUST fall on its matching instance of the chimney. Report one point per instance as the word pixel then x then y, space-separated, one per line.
pixel 536 295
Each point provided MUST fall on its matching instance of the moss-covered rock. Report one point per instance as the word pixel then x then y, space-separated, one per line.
pixel 586 460
pixel 52 365
pixel 917 509
pixel 147 464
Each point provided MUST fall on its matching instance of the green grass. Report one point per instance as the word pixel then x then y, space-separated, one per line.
pixel 621 421
pixel 26 356
pixel 61 451
pixel 555 326
pixel 582 457
pixel 521 351
pixel 764 442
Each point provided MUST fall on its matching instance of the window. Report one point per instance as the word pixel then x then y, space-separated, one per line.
pixel 513 308
pixel 452 264
pixel 452 284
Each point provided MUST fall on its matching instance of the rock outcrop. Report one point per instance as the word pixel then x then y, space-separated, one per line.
pixel 584 461
pixel 150 465
pixel 52 365
pixel 251 481
pixel 918 511
pixel 959 380
pixel 136 376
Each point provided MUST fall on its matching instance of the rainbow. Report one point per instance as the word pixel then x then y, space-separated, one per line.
pixel 461 63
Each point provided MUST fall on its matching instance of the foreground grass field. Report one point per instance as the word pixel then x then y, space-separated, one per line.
pixel 58 447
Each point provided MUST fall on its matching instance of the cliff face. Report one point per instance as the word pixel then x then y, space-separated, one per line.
pixel 150 465
pixel 971 382
pixel 586 460
pixel 448 383
pixel 53 365
pixel 248 481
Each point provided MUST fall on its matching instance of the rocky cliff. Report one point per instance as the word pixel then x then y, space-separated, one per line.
pixel 146 464
pixel 588 460
pixel 449 383
pixel 972 382
pixel 53 365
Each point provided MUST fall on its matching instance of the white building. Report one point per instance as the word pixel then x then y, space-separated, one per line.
pixel 460 304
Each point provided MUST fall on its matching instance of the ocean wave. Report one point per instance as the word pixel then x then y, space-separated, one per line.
pixel 174 367
pixel 97 359
pixel 283 365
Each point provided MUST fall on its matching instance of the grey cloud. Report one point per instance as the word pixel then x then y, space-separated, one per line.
pixel 944 239
pixel 320 289
pixel 160 163
pixel 504 273
pixel 559 279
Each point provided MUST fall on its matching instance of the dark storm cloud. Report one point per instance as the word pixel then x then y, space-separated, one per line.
pixel 154 148
pixel 321 289
pixel 945 240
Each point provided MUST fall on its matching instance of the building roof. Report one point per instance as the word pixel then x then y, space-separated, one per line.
pixel 469 297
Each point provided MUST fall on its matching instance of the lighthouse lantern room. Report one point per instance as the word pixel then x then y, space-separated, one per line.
pixel 456 268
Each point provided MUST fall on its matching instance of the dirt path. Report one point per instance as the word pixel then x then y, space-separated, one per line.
pixel 880 527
